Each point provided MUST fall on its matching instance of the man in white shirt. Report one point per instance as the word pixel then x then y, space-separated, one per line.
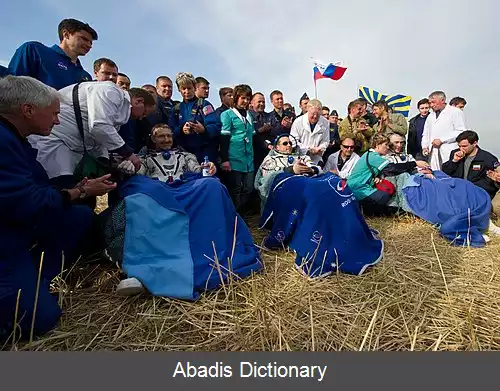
pixel 312 131
pixel 104 108
pixel 441 129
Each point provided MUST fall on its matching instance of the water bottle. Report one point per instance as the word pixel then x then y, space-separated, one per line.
pixel 206 167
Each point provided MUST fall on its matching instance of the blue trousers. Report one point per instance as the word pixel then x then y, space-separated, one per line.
pixel 19 271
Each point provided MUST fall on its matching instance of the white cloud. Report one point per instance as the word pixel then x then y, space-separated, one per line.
pixel 393 46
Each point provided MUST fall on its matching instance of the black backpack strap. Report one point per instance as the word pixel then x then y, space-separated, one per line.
pixel 78 114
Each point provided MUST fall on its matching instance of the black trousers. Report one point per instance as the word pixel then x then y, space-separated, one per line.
pixel 240 186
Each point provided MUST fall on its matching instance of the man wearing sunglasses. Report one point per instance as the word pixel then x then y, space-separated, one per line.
pixel 342 162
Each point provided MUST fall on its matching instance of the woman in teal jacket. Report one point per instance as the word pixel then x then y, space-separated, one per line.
pixel 236 147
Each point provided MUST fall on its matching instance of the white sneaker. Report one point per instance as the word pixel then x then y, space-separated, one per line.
pixel 493 229
pixel 129 287
pixel 486 238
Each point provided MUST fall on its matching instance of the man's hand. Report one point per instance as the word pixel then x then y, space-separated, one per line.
pixel 212 170
pixel 422 164
pixel 436 143
pixel 135 161
pixel 99 186
pixel 300 168
pixel 315 150
pixel 459 155
pixel 266 128
pixel 226 166
pixel 493 175
pixel 425 151
pixel 186 129
pixel 127 167
pixel 377 180
pixel 197 127
pixel 286 122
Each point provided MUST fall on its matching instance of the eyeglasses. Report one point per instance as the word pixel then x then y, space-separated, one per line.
pixel 348 146
pixel 286 143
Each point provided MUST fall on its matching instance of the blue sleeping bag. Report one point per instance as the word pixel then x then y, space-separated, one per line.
pixel 320 219
pixel 460 208
pixel 171 232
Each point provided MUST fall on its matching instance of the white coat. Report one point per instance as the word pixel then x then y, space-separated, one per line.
pixel 319 137
pixel 104 108
pixel 449 124
pixel 333 160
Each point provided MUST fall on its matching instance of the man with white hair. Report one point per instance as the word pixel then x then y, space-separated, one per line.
pixel 104 107
pixel 441 129
pixel 312 131
pixel 36 218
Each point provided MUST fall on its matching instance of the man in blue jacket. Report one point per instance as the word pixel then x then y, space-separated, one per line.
pixel 57 66
pixel 36 218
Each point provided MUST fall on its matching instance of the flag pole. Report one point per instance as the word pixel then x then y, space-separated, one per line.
pixel 315 90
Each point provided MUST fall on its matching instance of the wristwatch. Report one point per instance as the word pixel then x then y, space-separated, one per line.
pixel 83 193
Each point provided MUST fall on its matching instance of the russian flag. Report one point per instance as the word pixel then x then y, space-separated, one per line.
pixel 329 71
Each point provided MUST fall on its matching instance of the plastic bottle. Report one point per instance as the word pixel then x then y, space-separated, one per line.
pixel 206 167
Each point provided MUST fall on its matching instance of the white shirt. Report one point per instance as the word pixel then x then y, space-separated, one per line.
pixel 446 127
pixel 104 108
pixel 333 160
pixel 319 137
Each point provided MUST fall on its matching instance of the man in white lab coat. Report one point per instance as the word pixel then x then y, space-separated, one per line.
pixel 104 108
pixel 312 131
pixel 441 129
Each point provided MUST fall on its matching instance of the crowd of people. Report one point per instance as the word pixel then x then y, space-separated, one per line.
pixel 67 136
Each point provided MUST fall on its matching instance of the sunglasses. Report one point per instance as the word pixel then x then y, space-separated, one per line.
pixel 348 146
pixel 286 143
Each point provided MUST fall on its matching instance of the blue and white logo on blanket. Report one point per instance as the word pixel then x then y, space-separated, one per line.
pixel 340 188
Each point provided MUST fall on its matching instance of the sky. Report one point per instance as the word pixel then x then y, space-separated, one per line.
pixel 393 46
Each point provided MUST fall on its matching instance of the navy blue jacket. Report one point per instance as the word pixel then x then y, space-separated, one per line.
pixel 163 112
pixel 203 144
pixel 3 71
pixel 50 65
pixel 26 197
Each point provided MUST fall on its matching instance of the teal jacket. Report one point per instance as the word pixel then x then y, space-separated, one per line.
pixel 236 140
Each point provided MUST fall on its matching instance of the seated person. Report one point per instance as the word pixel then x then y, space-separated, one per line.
pixel 367 172
pixel 343 161
pixel 167 164
pixel 472 163
pixel 396 154
pixel 282 158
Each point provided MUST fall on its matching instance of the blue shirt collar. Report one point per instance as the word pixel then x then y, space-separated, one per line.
pixel 56 48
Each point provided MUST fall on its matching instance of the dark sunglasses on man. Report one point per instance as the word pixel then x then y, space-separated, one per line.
pixel 348 146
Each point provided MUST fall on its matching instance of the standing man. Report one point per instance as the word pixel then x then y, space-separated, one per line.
pixel 202 88
pixel 416 129
pixel 266 128
pixel 104 109
pixel 226 100
pixel 312 132
pixel 164 105
pixel 304 100
pixel 105 70
pixel 458 102
pixel 57 66
pixel 123 81
pixel 284 117
pixel 441 129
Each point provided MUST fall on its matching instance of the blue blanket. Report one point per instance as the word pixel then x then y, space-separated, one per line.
pixel 171 232
pixel 321 220
pixel 460 208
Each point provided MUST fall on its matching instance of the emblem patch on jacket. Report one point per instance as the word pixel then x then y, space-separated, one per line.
pixel 476 167
pixel 208 109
